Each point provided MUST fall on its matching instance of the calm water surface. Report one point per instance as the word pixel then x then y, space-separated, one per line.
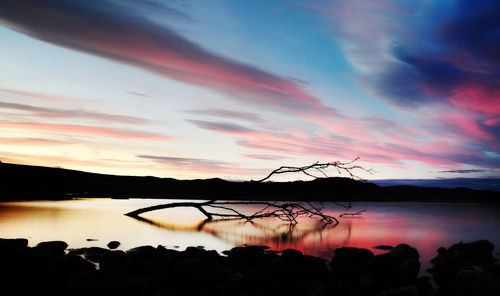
pixel 95 222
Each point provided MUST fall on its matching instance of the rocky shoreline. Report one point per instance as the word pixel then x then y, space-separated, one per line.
pixel 50 269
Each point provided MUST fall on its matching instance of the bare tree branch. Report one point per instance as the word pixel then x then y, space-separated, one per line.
pixel 285 211
pixel 346 167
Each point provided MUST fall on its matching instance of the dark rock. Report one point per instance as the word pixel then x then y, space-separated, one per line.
pixel 76 264
pixel 464 268
pixel 315 288
pixel 349 255
pixel 13 243
pixel 142 250
pixel 77 252
pixel 95 254
pixel 55 247
pixel 395 269
pixel 149 260
pixel 383 247
pixel 171 254
pixel 193 252
pixel 210 272
pixel 113 261
pixel 421 287
pixel 113 244
pixel 477 281
pixel 291 253
pixel 475 253
pixel 349 271
pixel 441 251
pixel 244 258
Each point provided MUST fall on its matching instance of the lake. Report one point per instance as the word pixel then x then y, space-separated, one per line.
pixel 95 222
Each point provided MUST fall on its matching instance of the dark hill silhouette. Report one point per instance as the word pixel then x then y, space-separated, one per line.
pixel 25 182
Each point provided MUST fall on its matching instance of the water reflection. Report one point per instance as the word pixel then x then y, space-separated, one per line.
pixel 425 226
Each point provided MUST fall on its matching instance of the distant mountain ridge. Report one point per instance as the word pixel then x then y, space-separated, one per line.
pixel 471 183
pixel 25 182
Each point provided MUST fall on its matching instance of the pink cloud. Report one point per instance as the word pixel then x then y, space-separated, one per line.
pixel 484 101
pixel 87 130
pixel 32 142
pixel 42 96
pixel 53 113
pixel 462 124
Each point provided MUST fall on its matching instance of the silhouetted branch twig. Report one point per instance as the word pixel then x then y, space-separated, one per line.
pixel 346 167
pixel 359 213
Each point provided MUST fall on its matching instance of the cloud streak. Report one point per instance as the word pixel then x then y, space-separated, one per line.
pixel 87 130
pixel 52 113
pixel 463 171
pixel 32 142
pixel 231 114
pixel 201 165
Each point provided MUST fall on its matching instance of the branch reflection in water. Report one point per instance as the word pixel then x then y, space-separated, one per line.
pixel 278 225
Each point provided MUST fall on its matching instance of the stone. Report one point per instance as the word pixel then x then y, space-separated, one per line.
pixel 13 243
pixel 95 254
pixel 57 248
pixel 383 247
pixel 349 255
pixel 465 267
pixel 397 268
pixel 291 253
pixel 113 244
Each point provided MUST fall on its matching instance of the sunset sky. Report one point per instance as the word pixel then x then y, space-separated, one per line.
pixel 234 89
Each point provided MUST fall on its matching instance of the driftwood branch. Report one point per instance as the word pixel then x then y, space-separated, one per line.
pixel 285 211
pixel 341 167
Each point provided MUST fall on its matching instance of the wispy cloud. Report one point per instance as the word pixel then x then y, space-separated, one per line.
pixel 138 94
pixel 186 161
pixel 201 165
pixel 231 114
pixel 222 127
pixel 33 142
pixel 53 113
pixel 265 156
pixel 70 129
pixel 463 171
pixel 42 96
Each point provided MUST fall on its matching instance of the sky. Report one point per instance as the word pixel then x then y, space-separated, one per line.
pixel 235 89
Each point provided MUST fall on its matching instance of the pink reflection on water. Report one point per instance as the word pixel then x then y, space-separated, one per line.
pixel 425 226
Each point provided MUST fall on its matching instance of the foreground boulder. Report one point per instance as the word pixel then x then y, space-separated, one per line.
pixel 7 244
pixel 467 269
pixel 56 248
pixel 397 268
pixel 350 272
pixel 358 271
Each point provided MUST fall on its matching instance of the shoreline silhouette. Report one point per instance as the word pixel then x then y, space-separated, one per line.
pixel 24 182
